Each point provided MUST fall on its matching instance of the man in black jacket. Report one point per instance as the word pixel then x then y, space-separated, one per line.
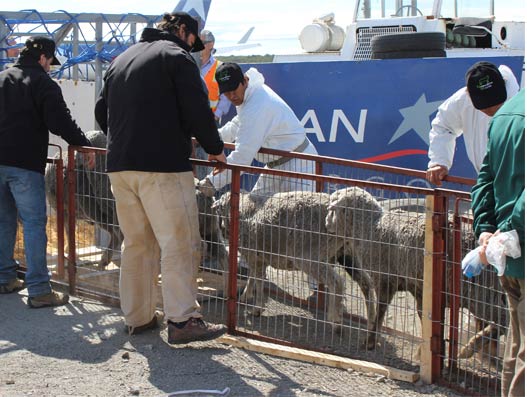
pixel 31 105
pixel 151 104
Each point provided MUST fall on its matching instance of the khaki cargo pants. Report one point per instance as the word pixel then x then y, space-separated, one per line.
pixel 158 216
pixel 513 375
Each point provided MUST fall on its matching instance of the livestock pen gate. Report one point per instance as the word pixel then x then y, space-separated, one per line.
pixel 366 267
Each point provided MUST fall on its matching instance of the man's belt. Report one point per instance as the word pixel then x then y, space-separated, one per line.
pixel 283 160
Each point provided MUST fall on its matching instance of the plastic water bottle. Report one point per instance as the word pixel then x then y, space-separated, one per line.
pixel 471 264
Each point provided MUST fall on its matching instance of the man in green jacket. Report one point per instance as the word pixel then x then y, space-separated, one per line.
pixel 498 202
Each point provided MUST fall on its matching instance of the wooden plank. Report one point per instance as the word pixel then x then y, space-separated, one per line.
pixel 426 346
pixel 318 358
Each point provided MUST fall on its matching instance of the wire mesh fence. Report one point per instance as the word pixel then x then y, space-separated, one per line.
pixel 476 315
pixel 360 266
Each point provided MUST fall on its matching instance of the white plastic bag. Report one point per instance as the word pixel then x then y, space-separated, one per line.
pixel 471 263
pixel 502 245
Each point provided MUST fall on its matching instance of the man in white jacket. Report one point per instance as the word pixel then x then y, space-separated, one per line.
pixel 263 120
pixel 460 115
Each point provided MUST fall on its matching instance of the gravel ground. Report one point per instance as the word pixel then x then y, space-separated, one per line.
pixel 81 350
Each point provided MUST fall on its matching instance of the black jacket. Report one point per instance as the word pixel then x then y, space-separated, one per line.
pixel 151 104
pixel 31 104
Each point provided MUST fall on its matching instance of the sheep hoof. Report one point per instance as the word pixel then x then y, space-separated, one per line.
pixel 371 342
pixel 102 265
pixel 254 312
pixel 465 352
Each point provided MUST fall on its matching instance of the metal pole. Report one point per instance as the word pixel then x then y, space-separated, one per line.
pixel 367 9
pixel 75 50
pixel 98 62
pixel 3 33
pixel 436 8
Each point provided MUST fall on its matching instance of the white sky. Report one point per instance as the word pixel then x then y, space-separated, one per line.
pixel 229 19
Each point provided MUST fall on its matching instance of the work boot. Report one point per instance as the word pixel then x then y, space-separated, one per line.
pixel 194 329
pixel 152 324
pixel 12 286
pixel 52 299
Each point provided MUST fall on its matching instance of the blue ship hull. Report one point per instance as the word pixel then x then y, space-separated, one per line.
pixel 377 111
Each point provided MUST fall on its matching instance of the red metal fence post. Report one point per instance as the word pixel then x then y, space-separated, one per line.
pixel 233 251
pixel 71 221
pixel 59 169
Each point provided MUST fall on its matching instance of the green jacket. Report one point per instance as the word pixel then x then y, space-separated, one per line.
pixel 498 198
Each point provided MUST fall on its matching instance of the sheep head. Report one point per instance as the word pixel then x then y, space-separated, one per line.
pixel 351 209
pixel 97 140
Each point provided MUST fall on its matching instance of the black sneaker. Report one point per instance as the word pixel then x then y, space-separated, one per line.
pixel 194 329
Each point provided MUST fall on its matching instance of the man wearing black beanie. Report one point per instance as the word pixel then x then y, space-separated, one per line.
pixel 468 112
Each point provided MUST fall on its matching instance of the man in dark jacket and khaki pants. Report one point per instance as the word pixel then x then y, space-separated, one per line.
pixel 151 105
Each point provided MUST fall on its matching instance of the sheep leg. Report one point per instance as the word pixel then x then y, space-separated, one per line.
pixel 335 305
pixel 485 340
pixel 366 285
pixel 260 298
pixel 332 280
pixel 249 290
pixel 116 240
pixel 385 294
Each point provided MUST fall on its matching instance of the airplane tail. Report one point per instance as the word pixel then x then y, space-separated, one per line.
pixel 246 36
pixel 199 9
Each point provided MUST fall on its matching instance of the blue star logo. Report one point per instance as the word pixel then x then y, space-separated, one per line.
pixel 416 118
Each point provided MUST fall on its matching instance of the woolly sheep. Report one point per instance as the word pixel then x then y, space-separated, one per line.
pixel 94 200
pixel 390 245
pixel 287 231
pixel 96 204
pixel 211 233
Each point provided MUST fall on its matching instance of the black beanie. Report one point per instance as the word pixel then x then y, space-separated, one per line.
pixel 485 85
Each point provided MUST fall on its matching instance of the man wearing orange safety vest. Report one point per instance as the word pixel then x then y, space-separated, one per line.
pixel 218 103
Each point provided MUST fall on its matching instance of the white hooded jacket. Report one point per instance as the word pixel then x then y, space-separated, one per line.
pixel 263 120
pixel 458 116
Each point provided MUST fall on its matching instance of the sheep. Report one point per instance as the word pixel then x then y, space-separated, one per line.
pixel 211 233
pixel 94 200
pixel 390 245
pixel 287 231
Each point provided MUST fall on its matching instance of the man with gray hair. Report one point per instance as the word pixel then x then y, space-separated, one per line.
pixel 219 104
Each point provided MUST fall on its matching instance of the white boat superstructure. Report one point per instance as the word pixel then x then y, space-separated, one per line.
pixel 470 28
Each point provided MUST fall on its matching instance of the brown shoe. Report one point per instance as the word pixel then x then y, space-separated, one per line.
pixel 195 329
pixel 12 286
pixel 154 323
pixel 52 299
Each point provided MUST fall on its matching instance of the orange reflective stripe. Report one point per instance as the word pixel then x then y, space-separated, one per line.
pixel 212 86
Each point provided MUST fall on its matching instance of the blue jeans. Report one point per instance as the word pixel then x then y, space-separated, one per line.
pixel 22 192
